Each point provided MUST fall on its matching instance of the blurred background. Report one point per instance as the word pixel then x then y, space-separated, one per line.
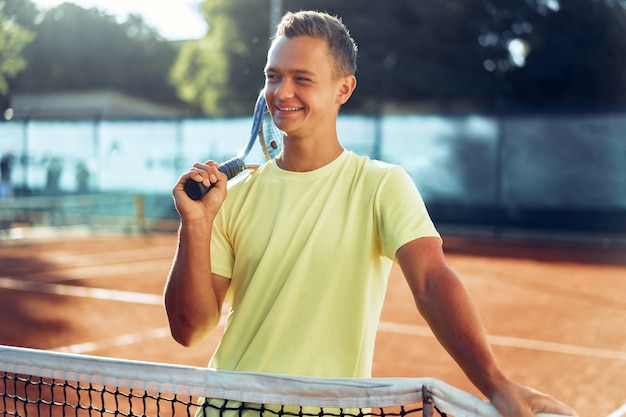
pixel 508 115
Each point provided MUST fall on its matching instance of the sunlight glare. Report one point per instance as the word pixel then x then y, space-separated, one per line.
pixel 173 19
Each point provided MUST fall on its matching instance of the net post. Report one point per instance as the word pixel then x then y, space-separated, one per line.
pixel 428 407
pixel 140 212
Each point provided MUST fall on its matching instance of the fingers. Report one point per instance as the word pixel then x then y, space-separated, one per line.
pixel 200 207
pixel 516 400
pixel 206 173
pixel 549 406
pixel 546 405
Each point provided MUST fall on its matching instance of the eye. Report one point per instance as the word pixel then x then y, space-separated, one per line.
pixel 303 80
pixel 271 77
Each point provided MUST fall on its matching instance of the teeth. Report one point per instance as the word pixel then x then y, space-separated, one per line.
pixel 289 108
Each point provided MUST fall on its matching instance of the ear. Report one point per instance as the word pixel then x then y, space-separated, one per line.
pixel 347 84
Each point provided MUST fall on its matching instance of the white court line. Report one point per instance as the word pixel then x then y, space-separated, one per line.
pixel 65 260
pixel 122 340
pixel 556 347
pixel 389 327
pixel 116 342
pixel 620 412
pixel 515 342
pixel 75 291
pixel 398 328
pixel 87 272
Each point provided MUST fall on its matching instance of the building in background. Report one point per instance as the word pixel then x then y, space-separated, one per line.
pixel 81 105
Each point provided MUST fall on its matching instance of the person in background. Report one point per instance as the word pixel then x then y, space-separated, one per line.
pixel 53 176
pixel 6 188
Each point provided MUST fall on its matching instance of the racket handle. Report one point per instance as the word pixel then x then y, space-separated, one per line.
pixel 196 190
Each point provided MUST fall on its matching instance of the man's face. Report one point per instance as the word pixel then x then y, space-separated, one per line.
pixel 301 88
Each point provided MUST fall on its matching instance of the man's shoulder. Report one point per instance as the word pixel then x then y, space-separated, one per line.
pixel 373 168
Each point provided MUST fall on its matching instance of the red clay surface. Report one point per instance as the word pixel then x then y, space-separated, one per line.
pixel 556 313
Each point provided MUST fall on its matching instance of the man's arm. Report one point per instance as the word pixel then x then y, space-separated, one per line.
pixel 193 294
pixel 445 304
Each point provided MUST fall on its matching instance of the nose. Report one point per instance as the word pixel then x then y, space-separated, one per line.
pixel 282 89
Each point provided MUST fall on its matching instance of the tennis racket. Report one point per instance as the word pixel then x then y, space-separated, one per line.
pixel 269 136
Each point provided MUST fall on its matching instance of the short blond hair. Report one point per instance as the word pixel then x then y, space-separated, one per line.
pixel 342 47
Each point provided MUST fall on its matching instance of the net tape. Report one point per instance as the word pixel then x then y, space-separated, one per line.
pixel 245 387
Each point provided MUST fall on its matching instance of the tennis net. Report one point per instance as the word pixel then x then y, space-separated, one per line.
pixel 44 383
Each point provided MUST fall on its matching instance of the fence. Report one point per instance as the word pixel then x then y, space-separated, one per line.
pixel 565 171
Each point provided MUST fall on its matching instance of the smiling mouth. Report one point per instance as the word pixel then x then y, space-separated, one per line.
pixel 289 109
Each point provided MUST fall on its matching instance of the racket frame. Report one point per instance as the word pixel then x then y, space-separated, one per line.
pixel 233 167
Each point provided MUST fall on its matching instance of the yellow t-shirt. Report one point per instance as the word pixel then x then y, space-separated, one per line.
pixel 309 255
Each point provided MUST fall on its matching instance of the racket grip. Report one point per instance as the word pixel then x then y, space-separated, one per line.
pixel 196 190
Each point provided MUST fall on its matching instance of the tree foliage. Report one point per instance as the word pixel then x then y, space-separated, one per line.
pixel 222 72
pixel 78 49
pixel 577 58
pixel 16 19
pixel 569 54
pixel 13 38
pixel 481 54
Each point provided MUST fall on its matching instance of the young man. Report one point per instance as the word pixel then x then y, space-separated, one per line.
pixel 302 247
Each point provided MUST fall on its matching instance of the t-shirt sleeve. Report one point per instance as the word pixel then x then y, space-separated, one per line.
pixel 401 213
pixel 222 253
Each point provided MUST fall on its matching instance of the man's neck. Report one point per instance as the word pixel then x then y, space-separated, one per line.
pixel 303 156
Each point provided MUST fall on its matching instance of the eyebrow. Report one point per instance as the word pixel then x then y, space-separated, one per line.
pixel 292 71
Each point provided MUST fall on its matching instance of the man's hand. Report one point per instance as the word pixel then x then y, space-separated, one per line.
pixel 207 206
pixel 513 400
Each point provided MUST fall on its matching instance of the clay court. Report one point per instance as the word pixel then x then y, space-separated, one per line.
pixel 555 312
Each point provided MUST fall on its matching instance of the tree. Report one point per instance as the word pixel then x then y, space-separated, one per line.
pixel 408 51
pixel 494 54
pixel 222 72
pixel 13 39
pixel 490 54
pixel 576 58
pixel 422 51
pixel 16 16
pixel 23 12
pixel 78 49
